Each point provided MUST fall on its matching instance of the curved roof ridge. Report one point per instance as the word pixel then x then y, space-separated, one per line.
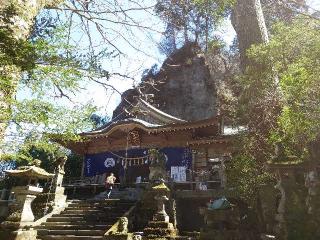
pixel 158 112
pixel 152 127
pixel 122 122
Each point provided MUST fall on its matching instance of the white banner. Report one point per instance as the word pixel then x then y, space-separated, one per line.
pixel 178 173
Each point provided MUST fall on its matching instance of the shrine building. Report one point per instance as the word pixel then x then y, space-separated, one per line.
pixel 194 150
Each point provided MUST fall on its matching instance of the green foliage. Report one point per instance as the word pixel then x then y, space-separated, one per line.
pixel 45 151
pixel 37 121
pixel 246 177
pixel 216 44
pixel 73 165
pixel 52 69
pixel 57 66
pixel 48 153
pixel 190 20
pixel 15 55
pixel 279 103
pixel 292 58
pixel 215 8
pixel 15 51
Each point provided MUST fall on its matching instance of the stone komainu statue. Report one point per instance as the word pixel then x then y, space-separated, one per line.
pixel 123 226
pixel 36 162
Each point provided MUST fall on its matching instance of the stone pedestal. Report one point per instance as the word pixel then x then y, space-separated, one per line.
pixel 20 210
pixel 161 214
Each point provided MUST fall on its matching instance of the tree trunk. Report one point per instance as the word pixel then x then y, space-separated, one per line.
pixel 17 18
pixel 248 21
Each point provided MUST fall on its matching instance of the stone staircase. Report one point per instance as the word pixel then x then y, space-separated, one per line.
pixel 83 219
pixel 128 193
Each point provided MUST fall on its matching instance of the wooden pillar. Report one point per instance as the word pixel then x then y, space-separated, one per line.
pixel 207 157
pixel 194 157
pixel 222 173
pixel 125 168
pixel 82 168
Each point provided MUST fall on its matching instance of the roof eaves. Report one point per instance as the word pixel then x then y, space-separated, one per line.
pixel 159 112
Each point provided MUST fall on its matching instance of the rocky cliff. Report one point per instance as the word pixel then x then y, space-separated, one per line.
pixel 183 87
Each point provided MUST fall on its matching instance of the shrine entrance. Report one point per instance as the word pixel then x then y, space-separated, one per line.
pixel 132 165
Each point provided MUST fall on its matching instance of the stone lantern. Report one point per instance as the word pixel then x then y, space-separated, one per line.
pixel 25 192
pixel 161 197
pixel 160 224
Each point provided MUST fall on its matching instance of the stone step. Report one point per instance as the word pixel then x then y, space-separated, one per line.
pixel 103 201
pixel 78 223
pixel 81 218
pixel 66 226
pixel 92 207
pixel 106 209
pixel 171 238
pixel 182 238
pixel 74 232
pixel 158 231
pixel 193 234
pixel 82 211
pixel 88 212
pixel 84 217
pixel 90 215
pixel 158 237
pixel 158 224
pixel 68 237
pixel 118 204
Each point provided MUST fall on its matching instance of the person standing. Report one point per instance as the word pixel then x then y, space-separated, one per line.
pixel 109 183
